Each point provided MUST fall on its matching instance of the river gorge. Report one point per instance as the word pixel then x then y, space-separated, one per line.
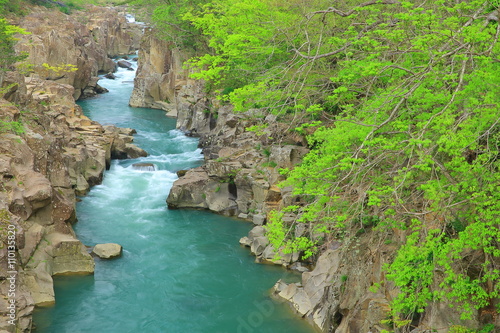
pixel 181 270
pixel 264 166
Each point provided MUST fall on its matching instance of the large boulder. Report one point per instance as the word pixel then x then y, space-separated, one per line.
pixel 122 146
pixel 107 251
pixel 70 255
pixel 124 64
pixel 197 190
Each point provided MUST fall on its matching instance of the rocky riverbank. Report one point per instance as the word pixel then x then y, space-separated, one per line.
pixel 50 152
pixel 343 289
pixel 86 40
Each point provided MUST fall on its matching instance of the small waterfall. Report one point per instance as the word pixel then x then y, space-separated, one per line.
pixel 144 166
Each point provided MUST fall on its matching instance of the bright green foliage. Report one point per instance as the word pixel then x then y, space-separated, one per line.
pixel 254 54
pixel 281 237
pixel 54 72
pixel 405 98
pixel 461 329
pixel 259 130
pixel 10 6
pixel 7 41
pixel 417 144
pixel 15 127
pixel 167 17
pixel 243 39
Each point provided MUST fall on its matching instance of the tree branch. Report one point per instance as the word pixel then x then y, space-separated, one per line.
pixel 343 48
pixel 352 11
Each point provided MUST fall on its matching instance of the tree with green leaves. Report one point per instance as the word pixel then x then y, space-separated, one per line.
pixel 166 15
pixel 413 145
pixel 8 56
pixel 404 97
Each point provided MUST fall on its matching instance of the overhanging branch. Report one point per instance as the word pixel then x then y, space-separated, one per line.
pixel 352 11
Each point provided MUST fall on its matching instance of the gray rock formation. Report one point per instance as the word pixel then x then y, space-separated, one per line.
pixel 121 145
pixel 124 64
pixel 197 190
pixel 86 42
pixel 107 251
pixel 159 75
pixel 240 171
pixel 58 153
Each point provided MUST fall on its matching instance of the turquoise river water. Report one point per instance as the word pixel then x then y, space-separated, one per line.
pixel 182 271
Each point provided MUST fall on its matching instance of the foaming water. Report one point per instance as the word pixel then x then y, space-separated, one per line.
pixel 181 270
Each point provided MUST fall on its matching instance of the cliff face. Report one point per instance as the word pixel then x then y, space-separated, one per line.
pixel 85 40
pixel 49 153
pixel 344 289
pixel 112 32
pixel 159 75
pixel 162 83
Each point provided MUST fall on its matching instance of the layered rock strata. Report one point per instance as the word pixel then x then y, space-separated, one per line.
pixel 50 153
pixel 86 41
pixel 159 75
pixel 56 154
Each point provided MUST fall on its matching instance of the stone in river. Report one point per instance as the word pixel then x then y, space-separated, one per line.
pixel 107 251
pixel 124 64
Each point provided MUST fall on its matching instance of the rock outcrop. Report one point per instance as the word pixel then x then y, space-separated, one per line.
pixel 49 153
pixel 335 295
pixel 85 41
pixel 121 145
pixel 241 170
pixel 159 75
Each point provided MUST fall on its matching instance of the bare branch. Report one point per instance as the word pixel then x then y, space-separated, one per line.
pixel 349 13
pixel 343 48
pixel 399 67
pixel 324 54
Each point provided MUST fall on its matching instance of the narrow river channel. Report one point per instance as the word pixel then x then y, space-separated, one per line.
pixel 182 271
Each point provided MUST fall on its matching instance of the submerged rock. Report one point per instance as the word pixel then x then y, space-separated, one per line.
pixel 124 64
pixel 144 166
pixel 108 250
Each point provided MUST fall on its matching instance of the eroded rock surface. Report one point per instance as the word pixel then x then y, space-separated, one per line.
pixel 49 153
pixel 85 40
pixel 159 75
pixel 107 251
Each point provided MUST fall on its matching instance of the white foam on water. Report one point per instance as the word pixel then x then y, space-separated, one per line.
pixel 130 18
pixel 122 76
